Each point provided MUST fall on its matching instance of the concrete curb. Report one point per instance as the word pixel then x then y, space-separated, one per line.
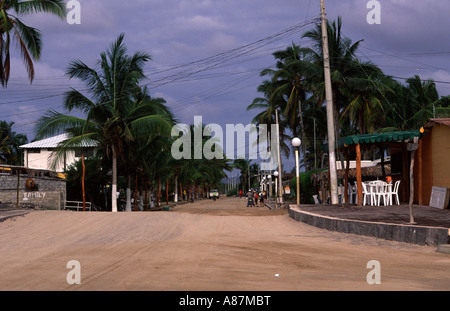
pixel 11 214
pixel 396 232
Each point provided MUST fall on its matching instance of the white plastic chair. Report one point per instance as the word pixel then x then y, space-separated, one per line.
pixel 316 199
pixel 367 194
pixel 380 191
pixel 351 193
pixel 395 192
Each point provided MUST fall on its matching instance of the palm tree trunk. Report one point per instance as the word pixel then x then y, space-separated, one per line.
pixel 158 193
pixel 135 193
pixel 114 181
pixel 146 194
pixel 302 129
pixel 175 199
pixel 167 192
pixel 128 205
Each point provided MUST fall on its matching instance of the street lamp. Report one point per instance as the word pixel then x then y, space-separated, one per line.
pixel 276 187
pixel 296 143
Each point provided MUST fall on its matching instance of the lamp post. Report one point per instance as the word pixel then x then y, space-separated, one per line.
pixel 276 188
pixel 296 143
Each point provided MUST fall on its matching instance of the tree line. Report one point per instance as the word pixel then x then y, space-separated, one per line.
pixel 365 99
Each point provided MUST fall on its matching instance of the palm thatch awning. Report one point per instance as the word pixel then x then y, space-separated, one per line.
pixel 367 172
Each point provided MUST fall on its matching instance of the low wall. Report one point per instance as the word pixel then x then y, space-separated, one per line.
pixel 402 233
pixel 49 192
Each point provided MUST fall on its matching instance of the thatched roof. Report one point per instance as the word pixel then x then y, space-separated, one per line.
pixel 372 172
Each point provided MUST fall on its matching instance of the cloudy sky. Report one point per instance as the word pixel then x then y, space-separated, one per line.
pixel 207 54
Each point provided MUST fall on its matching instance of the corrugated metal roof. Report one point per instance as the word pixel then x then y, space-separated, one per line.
pixel 52 142
pixel 443 121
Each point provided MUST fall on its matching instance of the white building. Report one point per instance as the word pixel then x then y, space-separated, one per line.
pixel 39 154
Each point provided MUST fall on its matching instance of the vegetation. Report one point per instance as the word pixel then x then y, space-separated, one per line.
pixel 132 129
pixel 365 99
pixel 9 144
pixel 28 39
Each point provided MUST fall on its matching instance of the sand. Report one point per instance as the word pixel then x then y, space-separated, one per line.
pixel 206 245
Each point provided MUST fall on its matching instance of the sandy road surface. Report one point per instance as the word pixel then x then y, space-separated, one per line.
pixel 206 245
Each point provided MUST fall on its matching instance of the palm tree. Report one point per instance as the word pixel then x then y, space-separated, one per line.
pixel 289 89
pixel 9 144
pixel 138 148
pixel 28 39
pixel 112 120
pixel 425 97
pixel 342 66
pixel 366 90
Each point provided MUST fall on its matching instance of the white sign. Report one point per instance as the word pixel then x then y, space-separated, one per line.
pixel 439 197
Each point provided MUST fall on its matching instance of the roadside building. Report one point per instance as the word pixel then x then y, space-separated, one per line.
pixel 40 154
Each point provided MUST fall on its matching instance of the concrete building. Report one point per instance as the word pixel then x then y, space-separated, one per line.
pixel 434 155
pixel 40 154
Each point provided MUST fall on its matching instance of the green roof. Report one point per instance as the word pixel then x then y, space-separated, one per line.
pixel 380 137
pixel 376 138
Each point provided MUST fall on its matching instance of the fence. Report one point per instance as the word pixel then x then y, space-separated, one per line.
pixel 76 205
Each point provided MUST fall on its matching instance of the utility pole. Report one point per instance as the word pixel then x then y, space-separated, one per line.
pixel 329 100
pixel 280 180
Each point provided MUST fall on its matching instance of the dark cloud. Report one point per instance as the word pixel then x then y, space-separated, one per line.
pixel 177 32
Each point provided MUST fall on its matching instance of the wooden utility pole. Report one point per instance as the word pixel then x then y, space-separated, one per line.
pixel 329 100
pixel 280 169
pixel 82 183
pixel 412 147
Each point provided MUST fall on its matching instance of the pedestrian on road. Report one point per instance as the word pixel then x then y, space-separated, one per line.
pixel 261 198
pixel 250 199
pixel 256 199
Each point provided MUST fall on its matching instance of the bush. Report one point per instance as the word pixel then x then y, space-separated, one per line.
pixel 307 187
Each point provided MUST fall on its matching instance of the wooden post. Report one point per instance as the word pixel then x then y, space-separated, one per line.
pixel 419 155
pixel 412 147
pixel 82 183
pixel 358 174
pixel 18 187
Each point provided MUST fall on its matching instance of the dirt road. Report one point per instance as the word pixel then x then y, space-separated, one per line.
pixel 207 245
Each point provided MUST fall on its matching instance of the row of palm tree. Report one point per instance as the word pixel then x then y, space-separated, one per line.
pixel 132 130
pixel 365 99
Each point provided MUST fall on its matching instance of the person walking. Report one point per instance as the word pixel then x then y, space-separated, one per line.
pixel 261 198
pixel 256 199
pixel 250 199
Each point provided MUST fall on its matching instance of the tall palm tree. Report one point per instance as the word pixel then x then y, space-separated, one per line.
pixel 111 119
pixel 425 97
pixel 28 39
pixel 290 88
pixel 342 65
